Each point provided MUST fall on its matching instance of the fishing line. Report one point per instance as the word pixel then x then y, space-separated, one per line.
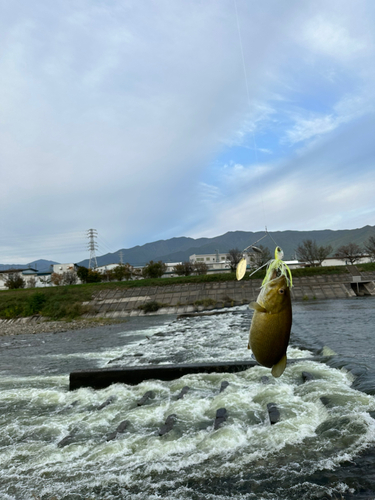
pixel 248 100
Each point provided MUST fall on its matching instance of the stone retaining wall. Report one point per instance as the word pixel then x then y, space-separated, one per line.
pixel 179 299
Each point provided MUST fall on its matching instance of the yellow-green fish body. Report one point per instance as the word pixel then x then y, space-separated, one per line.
pixel 271 324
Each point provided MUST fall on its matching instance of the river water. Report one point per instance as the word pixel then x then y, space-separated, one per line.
pixel 54 443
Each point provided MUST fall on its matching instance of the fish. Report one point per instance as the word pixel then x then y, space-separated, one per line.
pixel 271 325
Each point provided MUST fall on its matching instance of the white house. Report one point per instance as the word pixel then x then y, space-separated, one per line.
pixel 31 277
pixel 63 268
pixel 214 261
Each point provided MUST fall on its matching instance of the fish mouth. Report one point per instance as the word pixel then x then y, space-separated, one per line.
pixel 274 281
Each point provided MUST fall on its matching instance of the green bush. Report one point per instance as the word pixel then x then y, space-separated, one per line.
pixel 35 303
pixel 152 306
pixel 207 302
pixel 61 310
pixel 11 312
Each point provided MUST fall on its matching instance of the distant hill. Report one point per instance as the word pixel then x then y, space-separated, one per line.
pixel 40 265
pixel 179 249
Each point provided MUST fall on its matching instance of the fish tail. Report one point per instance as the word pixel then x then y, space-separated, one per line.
pixel 279 368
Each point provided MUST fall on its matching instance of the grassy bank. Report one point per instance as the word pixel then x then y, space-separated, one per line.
pixel 65 302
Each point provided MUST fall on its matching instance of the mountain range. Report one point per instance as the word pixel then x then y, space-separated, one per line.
pixel 39 265
pixel 179 249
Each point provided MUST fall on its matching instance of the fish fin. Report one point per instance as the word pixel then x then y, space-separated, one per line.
pixel 257 307
pixel 248 345
pixel 279 368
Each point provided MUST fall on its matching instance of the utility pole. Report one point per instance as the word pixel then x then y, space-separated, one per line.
pixel 93 246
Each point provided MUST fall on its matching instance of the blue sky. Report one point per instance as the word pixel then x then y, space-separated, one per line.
pixel 148 120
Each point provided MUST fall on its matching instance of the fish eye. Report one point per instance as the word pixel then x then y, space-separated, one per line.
pixel 281 291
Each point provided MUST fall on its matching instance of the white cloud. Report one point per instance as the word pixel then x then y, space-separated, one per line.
pixel 305 129
pixel 113 115
pixel 328 37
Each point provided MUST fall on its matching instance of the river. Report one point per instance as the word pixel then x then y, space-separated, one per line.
pixel 54 444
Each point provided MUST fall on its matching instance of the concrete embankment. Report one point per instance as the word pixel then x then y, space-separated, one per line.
pixel 196 297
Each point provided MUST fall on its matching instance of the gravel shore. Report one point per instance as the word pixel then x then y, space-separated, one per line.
pixel 34 325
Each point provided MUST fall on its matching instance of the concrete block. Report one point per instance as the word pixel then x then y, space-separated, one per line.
pixel 273 413
pixel 144 399
pixel 221 416
pixel 224 385
pixel 184 391
pixel 168 426
pixel 120 429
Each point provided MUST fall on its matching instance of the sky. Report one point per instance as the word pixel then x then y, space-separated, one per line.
pixel 151 120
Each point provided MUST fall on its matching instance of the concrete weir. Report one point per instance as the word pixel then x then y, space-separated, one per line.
pixel 133 375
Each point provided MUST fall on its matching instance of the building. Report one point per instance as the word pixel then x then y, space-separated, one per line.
pixel 31 277
pixel 333 261
pixel 64 268
pixel 215 261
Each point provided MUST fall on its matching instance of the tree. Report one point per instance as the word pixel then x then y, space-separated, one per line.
pixel 14 281
pixel 308 251
pixel 122 271
pixel 137 273
pixel 82 273
pixel 94 276
pixel 57 279
pixel 350 252
pixel 31 283
pixel 234 256
pixel 370 247
pixel 184 269
pixel 200 268
pixel 88 275
pixel 108 275
pixel 69 278
pixel 45 281
pixel 260 256
pixel 154 269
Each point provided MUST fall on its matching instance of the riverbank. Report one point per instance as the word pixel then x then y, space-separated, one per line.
pixel 198 297
pixel 175 295
pixel 36 325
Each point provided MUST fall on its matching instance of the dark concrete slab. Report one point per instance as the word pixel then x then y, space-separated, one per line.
pixel 224 385
pixel 133 375
pixel 168 426
pixel 273 413
pixel 147 395
pixel 120 429
pixel 221 416
pixel 184 391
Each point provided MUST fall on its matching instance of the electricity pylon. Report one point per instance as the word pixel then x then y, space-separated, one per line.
pixel 93 246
